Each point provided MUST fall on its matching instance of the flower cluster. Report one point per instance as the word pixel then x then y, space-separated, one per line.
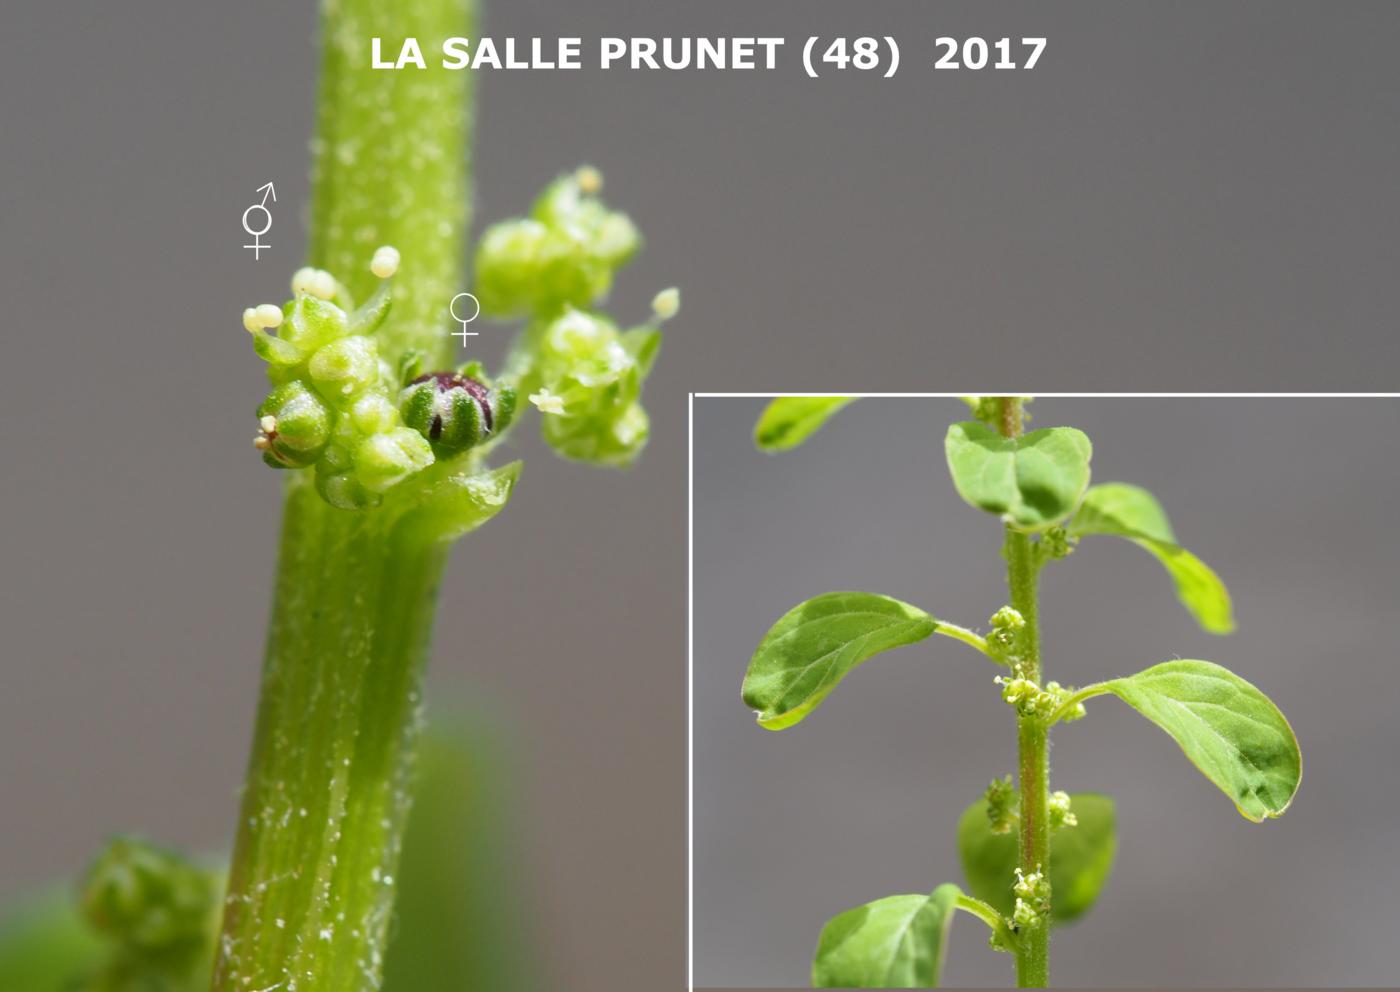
pixel 564 254
pixel 1002 803
pixel 147 898
pixel 579 369
pixel 332 404
pixel 1031 700
pixel 1060 813
pixel 337 405
pixel 1055 543
pixel 366 421
pixel 1007 634
pixel 1032 899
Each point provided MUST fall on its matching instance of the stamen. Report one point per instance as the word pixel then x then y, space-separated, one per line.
pixel 666 304
pixel 385 262
pixel 269 315
pixel 589 179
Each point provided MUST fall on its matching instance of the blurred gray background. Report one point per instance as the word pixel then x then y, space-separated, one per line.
pixel 1182 196
pixel 1290 500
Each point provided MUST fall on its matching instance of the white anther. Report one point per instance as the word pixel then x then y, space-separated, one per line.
pixel 385 262
pixel 666 304
pixel 547 402
pixel 261 442
pixel 314 282
pixel 589 179
pixel 269 315
pixel 250 321
pixel 268 423
pixel 322 285
pixel 302 279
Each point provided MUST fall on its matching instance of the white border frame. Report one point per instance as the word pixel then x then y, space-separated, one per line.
pixel 690 568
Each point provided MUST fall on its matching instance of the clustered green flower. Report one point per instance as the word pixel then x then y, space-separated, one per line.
pixel 580 370
pixel 366 422
pixel 1055 543
pixel 1031 700
pixel 1032 899
pixel 333 404
pixel 147 897
pixel 1007 634
pixel 1002 805
pixel 1060 813
pixel 158 914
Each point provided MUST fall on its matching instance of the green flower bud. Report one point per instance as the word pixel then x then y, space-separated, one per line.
pixel 146 897
pixel 1034 888
pixel 508 266
pixel 455 411
pixel 295 426
pixel 385 459
pixel 312 322
pixel 343 491
pixel 1024 917
pixel 1008 618
pixel 373 413
pixel 564 254
pixel 345 367
pixel 1056 543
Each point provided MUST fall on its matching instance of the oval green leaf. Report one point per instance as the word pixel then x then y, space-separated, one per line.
pixel 898 942
pixel 1033 482
pixel 789 420
pixel 1081 857
pixel 1132 512
pixel 812 648
pixel 1229 729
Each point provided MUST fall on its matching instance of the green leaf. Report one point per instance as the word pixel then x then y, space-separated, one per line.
pixel 789 420
pixel 1033 481
pixel 1081 857
pixel 812 648
pixel 45 946
pixel 1229 729
pixel 1132 512
pixel 898 942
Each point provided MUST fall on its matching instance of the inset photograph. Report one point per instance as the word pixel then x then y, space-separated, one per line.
pixel 995 691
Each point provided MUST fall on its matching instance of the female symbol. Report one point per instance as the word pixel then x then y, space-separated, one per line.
pixel 464 321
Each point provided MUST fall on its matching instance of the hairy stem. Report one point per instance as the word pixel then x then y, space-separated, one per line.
pixel 326 796
pixel 1033 750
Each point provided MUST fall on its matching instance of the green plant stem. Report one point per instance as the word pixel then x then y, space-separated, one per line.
pixel 326 797
pixel 1033 748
